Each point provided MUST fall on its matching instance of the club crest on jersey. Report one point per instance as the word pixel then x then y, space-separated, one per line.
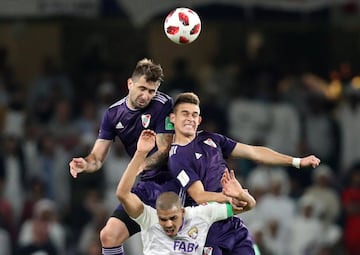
pixel 145 120
pixel 208 250
pixel 193 232
pixel 210 142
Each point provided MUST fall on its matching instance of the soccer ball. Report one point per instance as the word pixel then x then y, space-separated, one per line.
pixel 182 26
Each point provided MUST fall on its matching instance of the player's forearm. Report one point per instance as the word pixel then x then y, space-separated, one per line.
pixel 157 159
pixel 92 163
pixel 206 196
pixel 128 178
pixel 268 156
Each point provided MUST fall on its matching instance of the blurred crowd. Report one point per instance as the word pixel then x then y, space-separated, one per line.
pixel 45 123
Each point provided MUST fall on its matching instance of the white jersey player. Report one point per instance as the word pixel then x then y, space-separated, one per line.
pixel 191 237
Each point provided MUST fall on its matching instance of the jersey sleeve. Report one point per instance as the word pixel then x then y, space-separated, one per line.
pixel 148 218
pixel 163 124
pixel 212 212
pixel 107 130
pixel 227 144
pixel 182 168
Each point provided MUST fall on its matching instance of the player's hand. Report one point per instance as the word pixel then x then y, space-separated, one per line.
pixel 237 204
pixel 231 186
pixel 309 161
pixel 77 165
pixel 146 141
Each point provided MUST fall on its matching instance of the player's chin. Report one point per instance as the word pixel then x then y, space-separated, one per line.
pixel 189 130
pixel 140 104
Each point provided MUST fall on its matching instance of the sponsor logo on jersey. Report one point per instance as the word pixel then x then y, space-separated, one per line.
pixel 193 232
pixel 145 120
pixel 185 247
pixel 119 125
pixel 183 178
pixel 210 142
pixel 208 250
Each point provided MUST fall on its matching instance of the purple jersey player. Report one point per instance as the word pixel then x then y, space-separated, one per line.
pixel 197 160
pixel 119 120
pixel 143 108
pixel 170 228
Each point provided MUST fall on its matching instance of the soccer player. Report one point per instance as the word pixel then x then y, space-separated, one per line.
pixel 143 108
pixel 170 228
pixel 197 161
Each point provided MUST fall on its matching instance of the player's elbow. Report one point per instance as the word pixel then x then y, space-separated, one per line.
pixel 249 200
pixel 251 203
pixel 121 194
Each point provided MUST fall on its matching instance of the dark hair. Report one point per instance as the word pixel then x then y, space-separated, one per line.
pixel 168 200
pixel 153 72
pixel 186 97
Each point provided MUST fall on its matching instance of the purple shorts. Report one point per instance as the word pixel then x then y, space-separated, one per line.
pixel 229 236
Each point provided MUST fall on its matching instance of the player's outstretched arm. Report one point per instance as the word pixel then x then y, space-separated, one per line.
pixel 93 161
pixel 264 155
pixel 158 158
pixel 197 192
pixel 232 188
pixel 131 202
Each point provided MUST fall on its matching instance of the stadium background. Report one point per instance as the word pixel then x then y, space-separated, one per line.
pixel 277 73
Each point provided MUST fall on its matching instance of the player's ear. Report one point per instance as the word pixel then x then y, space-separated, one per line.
pixel 130 83
pixel 183 211
pixel 200 119
pixel 172 117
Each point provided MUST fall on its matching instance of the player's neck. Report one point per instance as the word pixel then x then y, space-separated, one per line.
pixel 129 104
pixel 181 139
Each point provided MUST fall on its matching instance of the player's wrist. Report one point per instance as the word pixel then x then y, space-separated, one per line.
pixel 141 153
pixel 296 162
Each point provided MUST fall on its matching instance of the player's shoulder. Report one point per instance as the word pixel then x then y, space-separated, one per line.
pixel 162 98
pixel 209 138
pixel 203 134
pixel 118 103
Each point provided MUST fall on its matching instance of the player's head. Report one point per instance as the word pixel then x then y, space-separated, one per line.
pixel 170 212
pixel 143 83
pixel 186 114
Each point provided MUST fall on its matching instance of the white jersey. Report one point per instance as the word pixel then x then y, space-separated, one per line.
pixel 192 235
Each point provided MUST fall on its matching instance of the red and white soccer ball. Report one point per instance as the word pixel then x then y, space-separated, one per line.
pixel 182 26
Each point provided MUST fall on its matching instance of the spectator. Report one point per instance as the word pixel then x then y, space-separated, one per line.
pixel 43 231
pixel 306 229
pixel 351 205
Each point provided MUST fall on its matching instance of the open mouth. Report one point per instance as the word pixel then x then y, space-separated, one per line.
pixel 169 231
pixel 189 125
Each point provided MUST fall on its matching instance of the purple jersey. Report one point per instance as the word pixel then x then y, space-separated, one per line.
pixel 202 159
pixel 128 124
